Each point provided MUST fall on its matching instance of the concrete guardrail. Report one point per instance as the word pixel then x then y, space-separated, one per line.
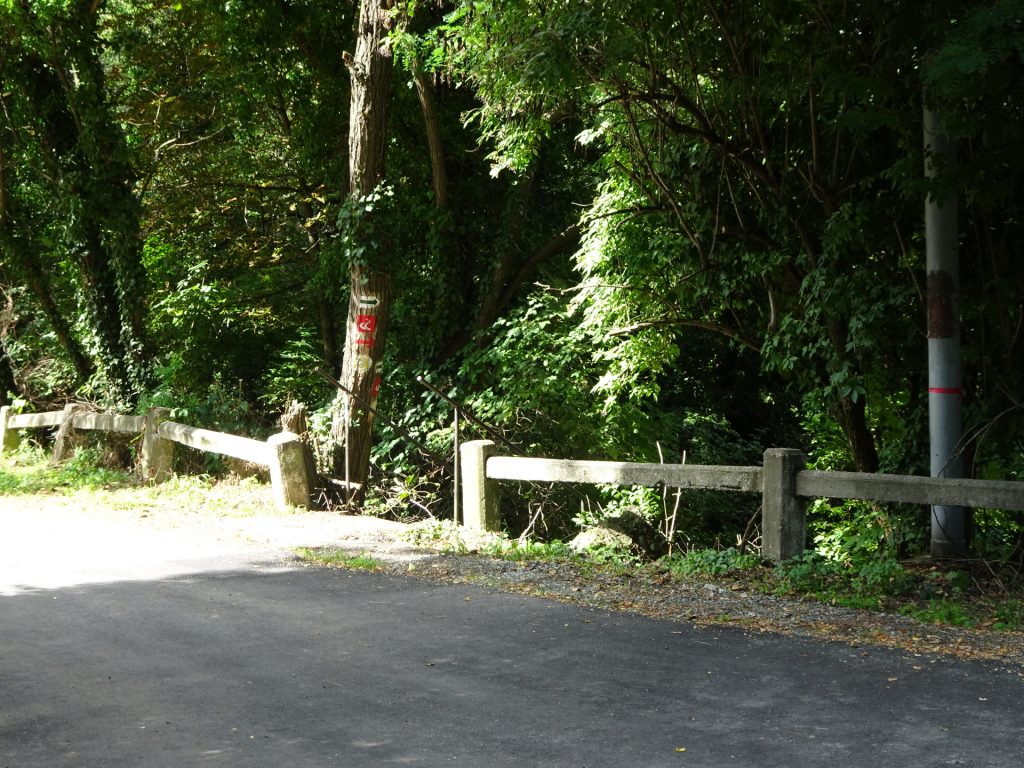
pixel 282 453
pixel 783 482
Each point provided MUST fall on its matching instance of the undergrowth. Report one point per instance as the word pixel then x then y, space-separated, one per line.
pixel 27 471
pixel 339 558
pixel 958 593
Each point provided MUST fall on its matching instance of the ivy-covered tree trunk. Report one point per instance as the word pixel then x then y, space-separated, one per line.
pixel 107 214
pixel 69 132
pixel 22 254
pixel 20 251
pixel 8 385
pixel 370 283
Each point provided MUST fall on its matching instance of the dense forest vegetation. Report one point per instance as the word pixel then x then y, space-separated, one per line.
pixel 611 229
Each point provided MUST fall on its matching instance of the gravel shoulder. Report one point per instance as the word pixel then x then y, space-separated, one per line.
pixel 700 602
pixel 707 603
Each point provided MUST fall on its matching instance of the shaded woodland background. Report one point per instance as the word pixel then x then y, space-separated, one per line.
pixel 612 229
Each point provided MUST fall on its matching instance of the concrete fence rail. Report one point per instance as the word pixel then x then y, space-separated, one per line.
pixel 624 473
pixel 783 482
pixel 32 420
pixel 991 494
pixel 109 422
pixel 282 454
pixel 244 448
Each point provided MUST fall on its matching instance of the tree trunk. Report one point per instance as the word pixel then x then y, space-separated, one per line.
pixel 20 250
pixel 8 386
pixel 371 87
pixel 109 248
pixel 853 419
pixel 91 177
pixel 368 315
pixel 27 264
pixel 370 284
pixel 439 173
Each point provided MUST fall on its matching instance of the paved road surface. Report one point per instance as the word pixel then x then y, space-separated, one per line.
pixel 255 661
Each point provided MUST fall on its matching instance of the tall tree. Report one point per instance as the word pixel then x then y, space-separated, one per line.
pixel 370 279
pixel 22 253
pixel 53 56
pixel 762 183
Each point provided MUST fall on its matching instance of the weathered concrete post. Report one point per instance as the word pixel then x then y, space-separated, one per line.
pixel 288 472
pixel 480 509
pixel 294 420
pixel 65 439
pixel 9 438
pixel 157 452
pixel 783 514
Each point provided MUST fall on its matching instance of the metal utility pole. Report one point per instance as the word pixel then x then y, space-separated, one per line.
pixel 945 395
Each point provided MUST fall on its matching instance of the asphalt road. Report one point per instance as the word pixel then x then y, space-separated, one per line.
pixel 254 662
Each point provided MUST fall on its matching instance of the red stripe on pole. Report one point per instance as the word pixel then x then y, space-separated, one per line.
pixel 945 390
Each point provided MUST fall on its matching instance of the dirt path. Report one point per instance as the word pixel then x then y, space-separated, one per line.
pixel 51 540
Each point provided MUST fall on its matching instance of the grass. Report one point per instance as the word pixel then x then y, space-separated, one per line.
pixel 27 471
pixel 339 558
pixel 82 478
pixel 518 550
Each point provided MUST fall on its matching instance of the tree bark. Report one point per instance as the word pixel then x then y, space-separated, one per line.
pixel 8 386
pixel 370 70
pixel 853 420
pixel 370 283
pixel 439 173
pixel 368 315
pixel 22 254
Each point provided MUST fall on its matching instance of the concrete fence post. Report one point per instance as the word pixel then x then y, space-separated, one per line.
pixel 9 438
pixel 157 452
pixel 480 510
pixel 64 442
pixel 783 513
pixel 289 474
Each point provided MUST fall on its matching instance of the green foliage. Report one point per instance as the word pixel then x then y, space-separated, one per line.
pixel 1009 616
pixel 710 562
pixel 62 123
pixel 620 500
pixel 832 579
pixel 219 406
pixel 28 473
pixel 518 550
pixel 339 558
pixel 747 184
pixel 856 531
pixel 941 611
pixel 291 374
pixel 759 182
pixel 407 497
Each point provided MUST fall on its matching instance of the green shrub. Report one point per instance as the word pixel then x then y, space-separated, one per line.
pixel 527 549
pixel 710 562
pixel 941 611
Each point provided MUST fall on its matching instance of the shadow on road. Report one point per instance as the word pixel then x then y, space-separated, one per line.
pixel 317 667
